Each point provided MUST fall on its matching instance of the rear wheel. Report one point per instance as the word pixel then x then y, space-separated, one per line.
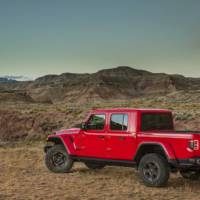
pixel 154 170
pixel 58 160
pixel 95 165
pixel 189 174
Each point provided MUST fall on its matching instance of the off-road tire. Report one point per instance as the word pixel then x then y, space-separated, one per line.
pixel 94 165
pixel 154 170
pixel 54 164
pixel 191 175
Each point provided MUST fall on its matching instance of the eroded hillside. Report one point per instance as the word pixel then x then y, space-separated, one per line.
pixel 121 83
pixel 30 121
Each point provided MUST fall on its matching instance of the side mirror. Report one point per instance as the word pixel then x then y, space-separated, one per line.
pixel 84 126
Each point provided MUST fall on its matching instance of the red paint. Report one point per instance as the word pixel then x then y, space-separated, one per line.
pixel 123 145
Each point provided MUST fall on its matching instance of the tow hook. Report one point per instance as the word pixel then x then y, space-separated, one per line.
pixel 198 161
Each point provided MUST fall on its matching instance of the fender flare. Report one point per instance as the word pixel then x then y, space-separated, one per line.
pixel 167 149
pixel 57 139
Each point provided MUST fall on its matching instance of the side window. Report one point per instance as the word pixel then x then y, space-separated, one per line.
pixel 119 122
pixel 156 121
pixel 96 122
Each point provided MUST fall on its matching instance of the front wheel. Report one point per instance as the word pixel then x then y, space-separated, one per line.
pixel 189 174
pixel 58 160
pixel 154 170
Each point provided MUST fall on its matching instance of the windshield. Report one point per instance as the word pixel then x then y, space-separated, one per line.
pixel 156 122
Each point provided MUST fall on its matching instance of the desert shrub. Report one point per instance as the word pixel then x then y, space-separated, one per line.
pixel 48 126
pixel 63 109
pixel 183 117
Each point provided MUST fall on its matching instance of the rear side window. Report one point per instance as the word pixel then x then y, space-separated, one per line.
pixel 119 122
pixel 156 121
pixel 96 122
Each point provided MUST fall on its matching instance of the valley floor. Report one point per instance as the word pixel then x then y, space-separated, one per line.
pixel 23 176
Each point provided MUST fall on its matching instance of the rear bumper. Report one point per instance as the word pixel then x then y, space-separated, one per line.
pixel 190 163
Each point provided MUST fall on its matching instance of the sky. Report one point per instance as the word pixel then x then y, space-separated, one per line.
pixel 39 37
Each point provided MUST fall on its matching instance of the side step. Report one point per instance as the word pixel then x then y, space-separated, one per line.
pixel 125 163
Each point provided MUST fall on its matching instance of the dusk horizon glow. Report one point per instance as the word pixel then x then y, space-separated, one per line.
pixel 40 37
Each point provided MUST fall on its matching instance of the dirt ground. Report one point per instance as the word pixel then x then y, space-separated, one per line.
pixel 23 175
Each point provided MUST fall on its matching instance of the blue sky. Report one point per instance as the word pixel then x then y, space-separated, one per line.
pixel 40 37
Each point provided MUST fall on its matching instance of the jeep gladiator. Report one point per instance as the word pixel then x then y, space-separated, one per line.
pixel 141 138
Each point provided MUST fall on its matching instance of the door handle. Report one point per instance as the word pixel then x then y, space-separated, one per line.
pixel 121 138
pixel 101 136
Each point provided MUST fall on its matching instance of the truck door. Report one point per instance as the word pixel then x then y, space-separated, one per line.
pixel 92 141
pixel 121 136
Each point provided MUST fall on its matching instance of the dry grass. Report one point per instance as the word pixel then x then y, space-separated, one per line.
pixel 36 121
pixel 23 175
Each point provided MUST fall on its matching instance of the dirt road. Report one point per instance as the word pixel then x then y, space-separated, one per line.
pixel 23 175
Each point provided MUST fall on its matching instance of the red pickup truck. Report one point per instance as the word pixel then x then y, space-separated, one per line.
pixel 141 138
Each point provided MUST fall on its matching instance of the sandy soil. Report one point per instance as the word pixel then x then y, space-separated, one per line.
pixel 23 175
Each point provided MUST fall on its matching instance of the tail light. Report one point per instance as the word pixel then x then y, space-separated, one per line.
pixel 194 144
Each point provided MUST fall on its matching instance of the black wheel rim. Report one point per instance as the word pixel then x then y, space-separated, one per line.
pixel 58 159
pixel 151 171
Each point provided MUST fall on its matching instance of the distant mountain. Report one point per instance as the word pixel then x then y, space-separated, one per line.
pixel 17 78
pixel 120 83
pixel 6 80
